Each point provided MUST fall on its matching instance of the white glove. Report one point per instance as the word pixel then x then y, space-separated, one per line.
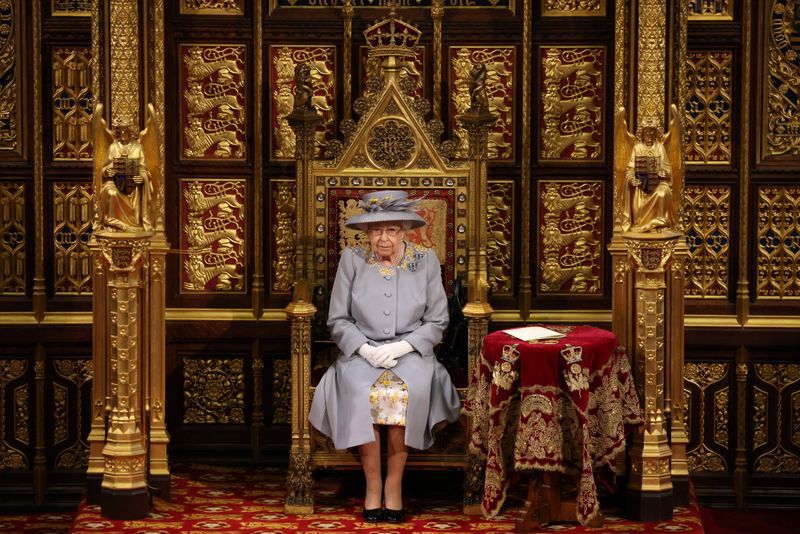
pixel 396 350
pixel 377 356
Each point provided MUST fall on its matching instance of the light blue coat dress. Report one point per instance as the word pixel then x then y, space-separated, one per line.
pixel 374 304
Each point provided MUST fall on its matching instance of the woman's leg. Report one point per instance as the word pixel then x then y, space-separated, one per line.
pixel 371 462
pixel 396 464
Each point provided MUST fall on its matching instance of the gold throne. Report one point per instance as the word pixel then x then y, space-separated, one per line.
pixel 391 146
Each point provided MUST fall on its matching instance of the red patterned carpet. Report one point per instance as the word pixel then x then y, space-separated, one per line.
pixel 208 499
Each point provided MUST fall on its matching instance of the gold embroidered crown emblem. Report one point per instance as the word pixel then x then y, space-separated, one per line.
pixel 392 36
pixel 572 354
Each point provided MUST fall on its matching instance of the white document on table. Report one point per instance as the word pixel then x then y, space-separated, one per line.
pixel 533 333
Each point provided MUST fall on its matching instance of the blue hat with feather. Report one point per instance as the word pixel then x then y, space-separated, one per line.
pixel 385 207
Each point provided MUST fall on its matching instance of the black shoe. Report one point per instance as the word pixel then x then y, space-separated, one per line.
pixel 394 516
pixel 374 515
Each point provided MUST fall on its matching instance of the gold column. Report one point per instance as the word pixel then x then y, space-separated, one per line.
pixel 347 52
pixel 674 403
pixel 476 120
pixel 124 492
pixel 742 285
pixel 155 358
pixel 40 448
pixel 258 166
pixel 100 397
pixel 300 311
pixel 740 472
pixel 525 292
pixel 650 485
pixel 158 438
pixel 39 291
pixel 437 14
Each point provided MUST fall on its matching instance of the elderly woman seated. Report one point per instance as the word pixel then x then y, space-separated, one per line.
pixel 387 311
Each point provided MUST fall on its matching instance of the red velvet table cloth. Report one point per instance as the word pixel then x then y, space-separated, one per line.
pixel 556 405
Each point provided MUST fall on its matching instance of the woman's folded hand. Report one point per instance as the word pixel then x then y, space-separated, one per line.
pixel 396 350
pixel 378 356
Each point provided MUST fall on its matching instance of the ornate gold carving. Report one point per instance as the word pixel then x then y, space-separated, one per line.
pixel 77 373
pixel 9 94
pixel 500 233
pixel 687 406
pixel 779 377
pixel 500 65
pixel 321 61
pixel 721 411
pixel 72 104
pixel 573 82
pixel 12 238
pixel 213 235
pixel 710 9
pixel 123 40
pixel 22 414
pixel 651 58
pixel 571 229
pixel 73 8
pixel 284 198
pixel 281 391
pixel 411 67
pixel 573 8
pixel 704 459
pixel 778 260
pixel 708 109
pixel 760 421
pixel 60 423
pixel 213 391
pixel 795 411
pixel 72 226
pixel 781 109
pixel 211 7
pixel 391 145
pixel 10 457
pixel 213 103
pixel 708 213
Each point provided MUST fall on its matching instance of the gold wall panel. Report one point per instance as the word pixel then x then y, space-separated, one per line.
pixel 705 377
pixel 795 418
pixel 500 237
pixel 500 65
pixel 780 125
pixel 212 7
pixel 72 101
pixel 123 46
pixel 213 106
pixel 73 8
pixel 213 390
pixel 71 394
pixel 72 226
pixel 571 104
pixel 570 237
pixel 708 210
pixel 12 457
pixel 778 238
pixel 573 8
pixel 22 414
pixel 9 83
pixel 711 9
pixel 282 204
pixel 760 421
pixel 12 238
pixel 782 380
pixel 413 68
pixel 281 391
pixel 213 235
pixel 708 109
pixel 282 61
pixel 651 58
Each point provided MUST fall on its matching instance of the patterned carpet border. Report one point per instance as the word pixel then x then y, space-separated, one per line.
pixel 213 499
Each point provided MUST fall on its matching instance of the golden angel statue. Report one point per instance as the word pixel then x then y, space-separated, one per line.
pixel 648 174
pixel 126 174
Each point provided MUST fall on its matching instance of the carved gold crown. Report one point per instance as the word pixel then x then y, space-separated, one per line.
pixel 392 36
